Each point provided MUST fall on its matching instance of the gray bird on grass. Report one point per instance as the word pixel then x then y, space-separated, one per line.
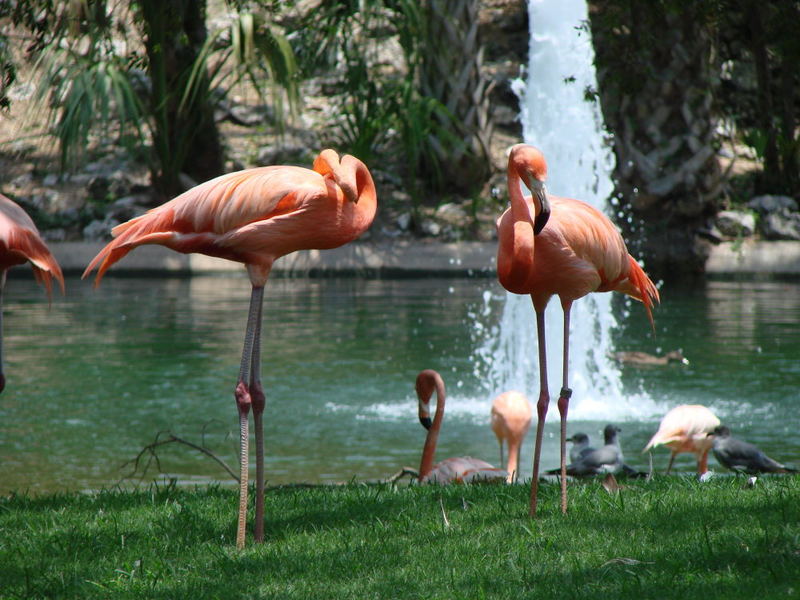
pixel 589 461
pixel 743 457
pixel 580 447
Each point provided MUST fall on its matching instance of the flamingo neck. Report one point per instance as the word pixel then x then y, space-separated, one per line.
pixel 429 449
pixel 513 458
pixel 515 251
pixel 367 200
pixel 523 208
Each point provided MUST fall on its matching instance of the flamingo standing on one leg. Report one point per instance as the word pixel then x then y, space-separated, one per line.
pixel 254 217
pixel 20 243
pixel 685 428
pixel 558 246
pixel 511 419
pixel 462 469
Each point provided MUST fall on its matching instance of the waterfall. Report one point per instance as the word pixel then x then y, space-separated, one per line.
pixel 558 120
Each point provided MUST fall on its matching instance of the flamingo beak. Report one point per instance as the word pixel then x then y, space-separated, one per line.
pixel 424 413
pixel 544 213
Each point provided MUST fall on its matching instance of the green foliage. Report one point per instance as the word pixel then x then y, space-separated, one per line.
pixel 379 112
pixel 91 81
pixel 92 91
pixel 667 538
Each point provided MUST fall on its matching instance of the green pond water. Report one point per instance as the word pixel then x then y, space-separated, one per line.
pixel 93 378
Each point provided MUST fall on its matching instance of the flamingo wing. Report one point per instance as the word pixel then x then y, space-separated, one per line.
pixel 685 429
pixel 224 217
pixel 581 251
pixel 20 243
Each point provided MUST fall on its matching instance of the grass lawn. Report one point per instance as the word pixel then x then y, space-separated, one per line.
pixel 667 538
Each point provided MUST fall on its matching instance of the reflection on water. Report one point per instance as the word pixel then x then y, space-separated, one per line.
pixel 92 379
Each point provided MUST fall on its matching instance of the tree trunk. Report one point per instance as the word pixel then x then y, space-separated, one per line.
pixel 451 73
pixel 657 82
pixel 185 139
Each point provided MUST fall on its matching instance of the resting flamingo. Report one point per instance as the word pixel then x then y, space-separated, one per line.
pixel 558 246
pixel 254 217
pixel 20 243
pixel 511 419
pixel 685 428
pixel 462 469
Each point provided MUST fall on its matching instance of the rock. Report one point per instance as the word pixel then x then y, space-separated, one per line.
pixel 97 231
pixel 712 234
pixel 23 180
pixel 250 116
pixel 55 235
pixel 781 225
pixel 431 228
pixel 281 155
pixel 452 214
pixel 105 188
pixel 128 207
pixel 403 221
pixel 50 180
pixel 768 203
pixel 735 223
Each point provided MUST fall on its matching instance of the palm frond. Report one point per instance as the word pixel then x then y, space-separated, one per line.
pixel 85 94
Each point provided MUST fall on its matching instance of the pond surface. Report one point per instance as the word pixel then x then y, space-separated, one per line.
pixel 93 378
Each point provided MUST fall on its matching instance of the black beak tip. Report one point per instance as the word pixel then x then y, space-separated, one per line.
pixel 540 221
pixel 426 422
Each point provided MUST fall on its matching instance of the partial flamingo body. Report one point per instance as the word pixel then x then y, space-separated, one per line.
pixel 685 428
pixel 462 469
pixel 511 419
pixel 254 217
pixel 20 242
pixel 552 246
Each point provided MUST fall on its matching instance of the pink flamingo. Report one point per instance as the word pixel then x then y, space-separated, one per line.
pixel 558 246
pixel 20 243
pixel 462 469
pixel 685 428
pixel 254 217
pixel 511 419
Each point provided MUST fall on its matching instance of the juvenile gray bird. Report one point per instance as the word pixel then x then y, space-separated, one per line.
pixel 741 456
pixel 580 447
pixel 606 459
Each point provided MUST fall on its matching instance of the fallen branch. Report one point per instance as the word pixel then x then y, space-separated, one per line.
pixel 162 439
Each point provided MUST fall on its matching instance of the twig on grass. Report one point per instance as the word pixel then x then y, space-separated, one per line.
pixel 162 439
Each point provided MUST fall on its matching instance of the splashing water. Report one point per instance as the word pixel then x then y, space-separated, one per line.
pixel 557 119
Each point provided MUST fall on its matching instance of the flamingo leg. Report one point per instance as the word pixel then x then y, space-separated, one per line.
pixel 2 288
pixel 259 401
pixel 563 406
pixel 244 401
pixel 702 463
pixel 541 409
pixel 671 460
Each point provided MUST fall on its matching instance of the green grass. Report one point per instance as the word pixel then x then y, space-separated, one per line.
pixel 667 538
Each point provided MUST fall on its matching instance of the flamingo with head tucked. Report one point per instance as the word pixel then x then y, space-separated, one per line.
pixel 551 246
pixel 462 469
pixel 511 419
pixel 685 428
pixel 20 242
pixel 254 217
